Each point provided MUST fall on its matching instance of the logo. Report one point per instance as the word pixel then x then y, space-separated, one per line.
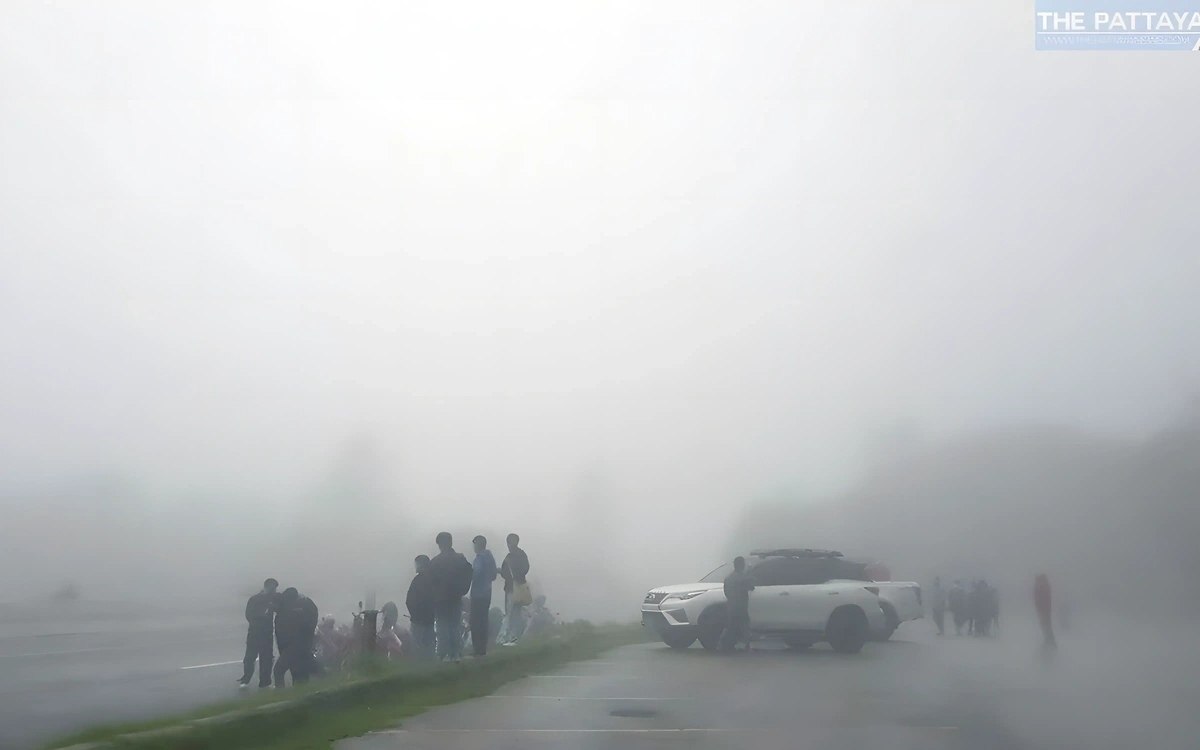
pixel 1129 25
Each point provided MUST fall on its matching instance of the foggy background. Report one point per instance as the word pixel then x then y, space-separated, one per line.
pixel 287 288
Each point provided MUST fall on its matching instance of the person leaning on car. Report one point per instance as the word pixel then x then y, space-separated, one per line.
pixel 738 586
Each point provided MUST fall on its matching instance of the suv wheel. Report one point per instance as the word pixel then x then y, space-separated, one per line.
pixel 847 630
pixel 679 640
pixel 710 626
pixel 891 622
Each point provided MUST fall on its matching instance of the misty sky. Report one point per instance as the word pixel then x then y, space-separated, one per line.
pixel 704 249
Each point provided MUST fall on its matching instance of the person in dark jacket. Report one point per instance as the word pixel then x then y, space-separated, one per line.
pixel 738 586
pixel 260 643
pixel 937 601
pixel 515 571
pixel 957 600
pixel 420 608
pixel 451 574
pixel 295 629
pixel 482 576
pixel 976 608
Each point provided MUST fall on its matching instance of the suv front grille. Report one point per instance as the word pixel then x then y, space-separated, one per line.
pixel 654 598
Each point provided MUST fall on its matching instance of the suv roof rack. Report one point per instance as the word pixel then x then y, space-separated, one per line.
pixel 792 552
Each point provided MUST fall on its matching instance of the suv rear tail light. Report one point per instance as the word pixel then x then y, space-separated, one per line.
pixel 918 588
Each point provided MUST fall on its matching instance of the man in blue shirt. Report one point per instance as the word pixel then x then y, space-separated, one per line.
pixel 483 573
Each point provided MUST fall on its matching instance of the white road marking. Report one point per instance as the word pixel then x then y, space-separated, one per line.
pixel 568 731
pixel 214 664
pixel 61 653
pixel 577 677
pixel 98 649
pixel 682 730
pixel 617 699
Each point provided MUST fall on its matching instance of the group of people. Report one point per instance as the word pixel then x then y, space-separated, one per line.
pixel 975 609
pixel 445 588
pixel 978 608
pixel 286 619
pixel 447 583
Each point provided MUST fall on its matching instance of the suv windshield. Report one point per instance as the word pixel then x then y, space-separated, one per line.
pixel 720 574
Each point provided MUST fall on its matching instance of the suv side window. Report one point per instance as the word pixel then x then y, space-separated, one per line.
pixel 792 571
pixel 851 571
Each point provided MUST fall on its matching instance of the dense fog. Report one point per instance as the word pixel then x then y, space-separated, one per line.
pixel 287 288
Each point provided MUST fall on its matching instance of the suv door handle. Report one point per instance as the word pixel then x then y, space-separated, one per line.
pixel 785 593
pixel 833 593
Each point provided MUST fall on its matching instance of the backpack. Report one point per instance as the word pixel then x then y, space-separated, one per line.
pixel 463 574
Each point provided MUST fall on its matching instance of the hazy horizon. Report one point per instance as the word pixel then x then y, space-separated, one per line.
pixel 699 252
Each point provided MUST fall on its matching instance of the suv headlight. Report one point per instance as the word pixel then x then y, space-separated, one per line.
pixel 685 595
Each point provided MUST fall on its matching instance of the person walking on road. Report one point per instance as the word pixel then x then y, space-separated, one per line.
pixel 295 629
pixel 976 606
pixel 1041 601
pixel 738 586
pixel 483 574
pixel 937 601
pixel 451 575
pixel 260 641
pixel 517 596
pixel 420 608
pixel 991 598
pixel 957 600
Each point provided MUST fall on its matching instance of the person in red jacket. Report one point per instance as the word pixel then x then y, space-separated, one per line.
pixel 1041 600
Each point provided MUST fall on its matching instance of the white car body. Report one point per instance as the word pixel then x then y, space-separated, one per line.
pixel 781 605
pixel 900 602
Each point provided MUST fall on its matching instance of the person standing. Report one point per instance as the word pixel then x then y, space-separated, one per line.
pixel 260 642
pixel 738 586
pixel 420 608
pixel 285 636
pixel 937 601
pixel 1041 601
pixel 483 574
pixel 451 575
pixel 993 608
pixel 295 629
pixel 309 617
pixel 975 607
pixel 515 571
pixel 957 600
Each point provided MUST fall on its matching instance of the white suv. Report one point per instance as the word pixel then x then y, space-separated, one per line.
pixel 802 596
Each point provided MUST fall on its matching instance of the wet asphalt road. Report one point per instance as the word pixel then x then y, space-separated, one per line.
pixel 919 692
pixel 68 675
pixel 1126 685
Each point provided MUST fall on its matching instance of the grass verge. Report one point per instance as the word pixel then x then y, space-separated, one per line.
pixel 376 696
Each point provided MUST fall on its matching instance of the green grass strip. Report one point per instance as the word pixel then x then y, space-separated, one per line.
pixel 375 695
